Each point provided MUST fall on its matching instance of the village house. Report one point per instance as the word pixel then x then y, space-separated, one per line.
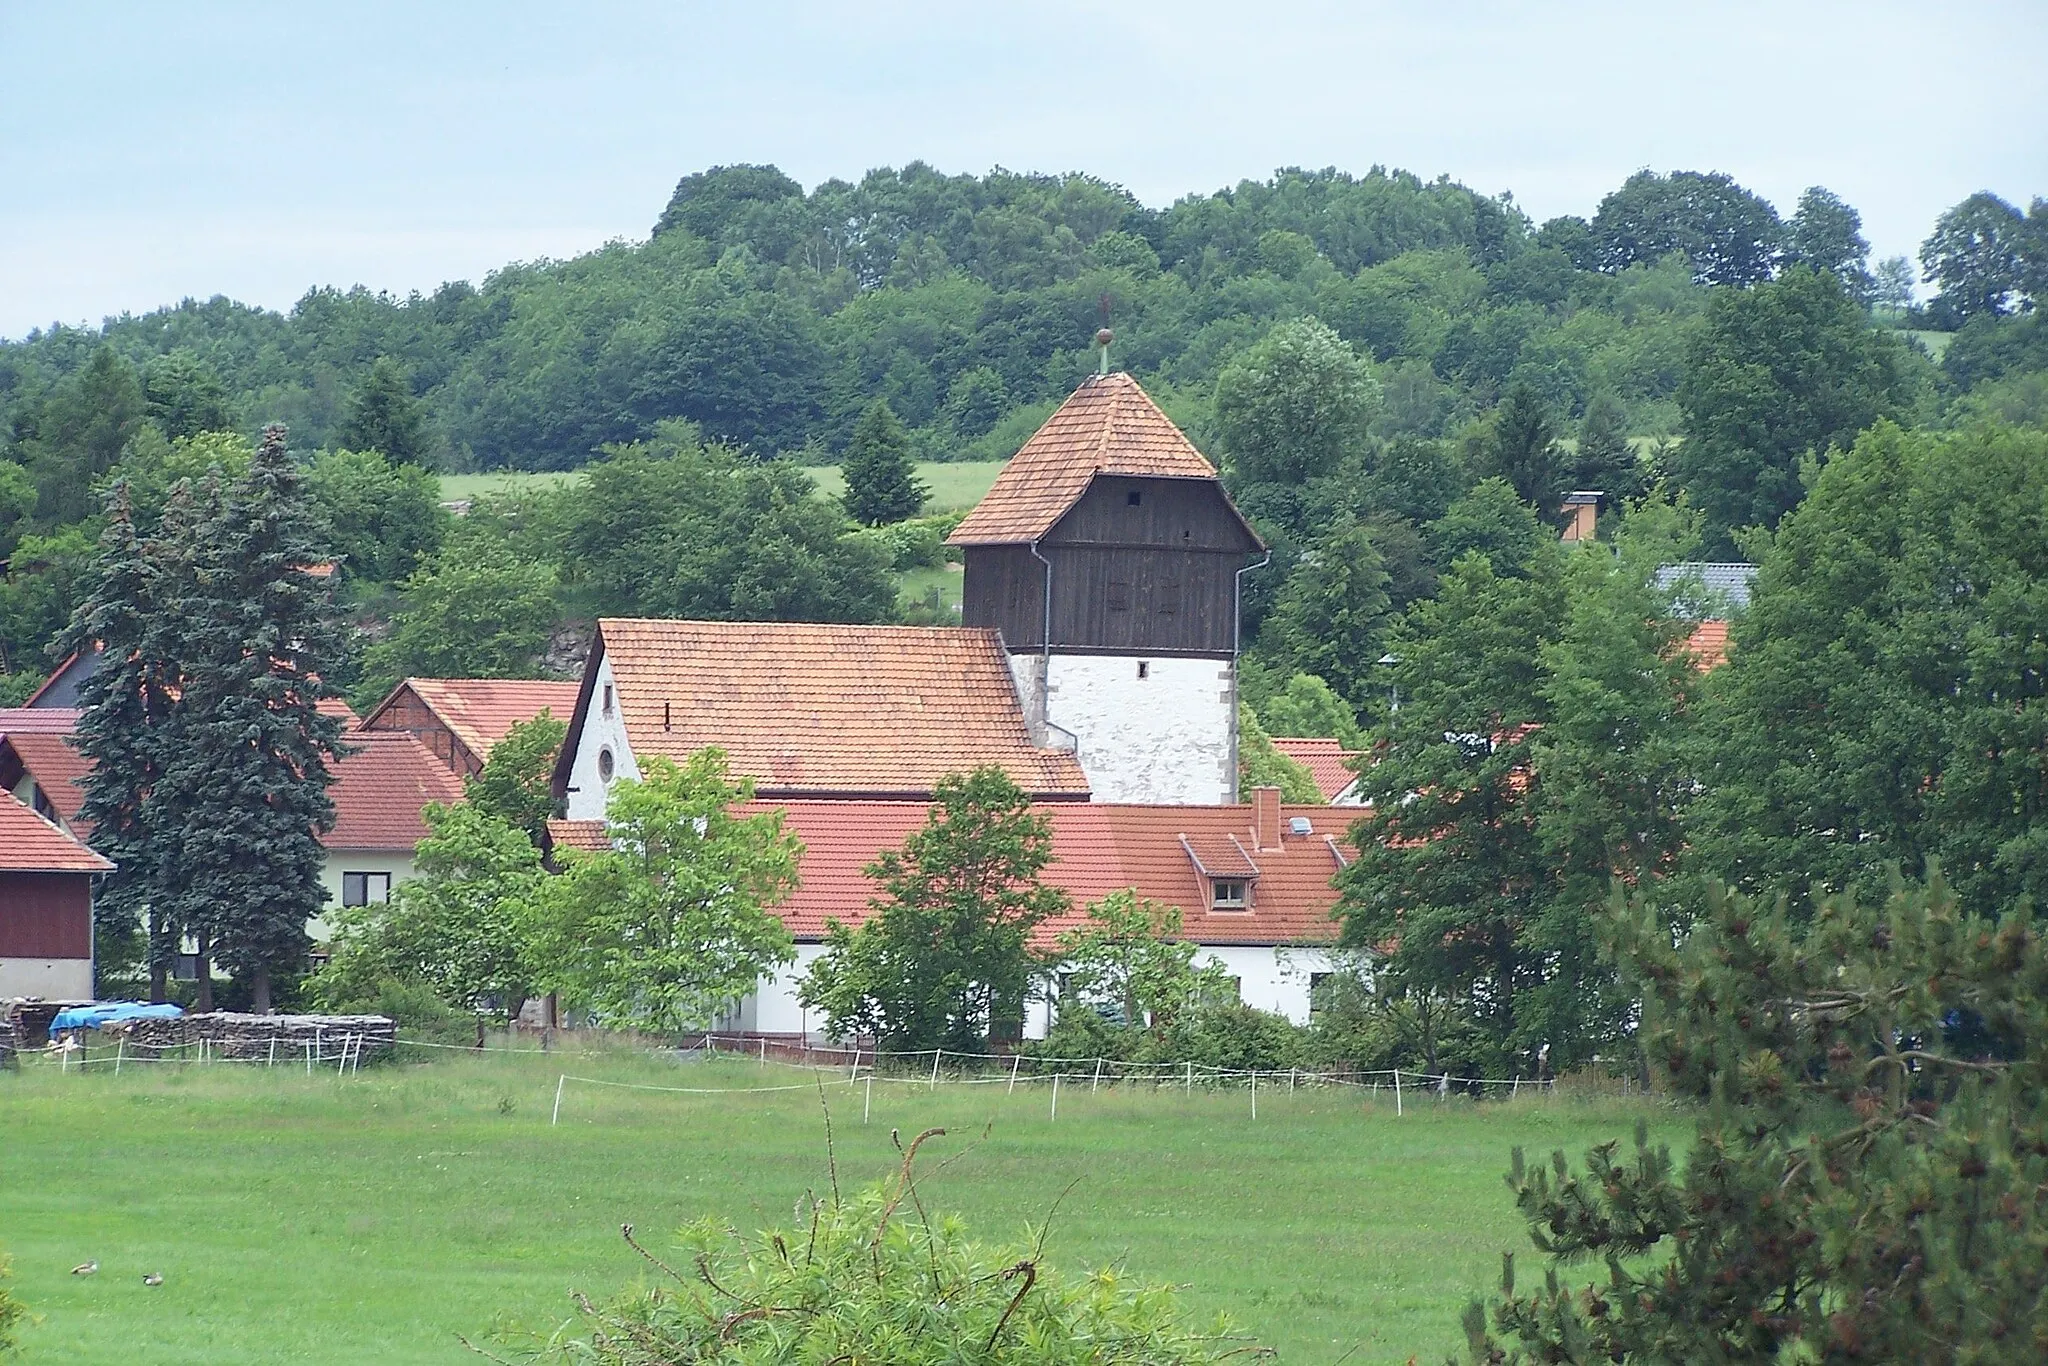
pixel 1253 884
pixel 378 793
pixel 807 711
pixel 461 720
pixel 46 880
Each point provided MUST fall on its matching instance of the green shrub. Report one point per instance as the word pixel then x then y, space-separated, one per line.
pixel 11 1314
pixel 1229 1035
pixel 420 1013
pixel 880 1279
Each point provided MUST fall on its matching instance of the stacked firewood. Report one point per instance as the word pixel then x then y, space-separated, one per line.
pixel 270 1038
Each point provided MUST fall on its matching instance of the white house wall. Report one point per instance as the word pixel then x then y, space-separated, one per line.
pixel 52 979
pixel 1269 978
pixel 398 863
pixel 600 729
pixel 1163 739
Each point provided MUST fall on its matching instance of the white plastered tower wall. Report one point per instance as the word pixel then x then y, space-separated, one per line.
pixel 1147 730
pixel 604 728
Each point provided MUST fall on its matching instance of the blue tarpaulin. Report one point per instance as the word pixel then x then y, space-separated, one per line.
pixel 103 1013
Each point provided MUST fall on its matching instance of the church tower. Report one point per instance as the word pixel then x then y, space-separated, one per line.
pixel 1111 559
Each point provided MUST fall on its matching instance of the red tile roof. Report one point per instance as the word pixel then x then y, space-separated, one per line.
pixel 1098 848
pixel 481 711
pixel 30 844
pixel 1709 645
pixel 1327 761
pixel 38 720
pixel 816 709
pixel 379 791
pixel 56 768
pixel 1108 426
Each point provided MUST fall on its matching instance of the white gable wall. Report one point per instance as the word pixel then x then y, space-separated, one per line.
pixel 601 729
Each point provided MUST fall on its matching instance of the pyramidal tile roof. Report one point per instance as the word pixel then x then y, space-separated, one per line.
pixel 30 844
pixel 810 708
pixel 1109 426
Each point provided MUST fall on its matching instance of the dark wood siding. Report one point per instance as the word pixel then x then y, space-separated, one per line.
pixel 1157 575
pixel 45 915
pixel 1004 587
pixel 1177 514
pixel 1135 600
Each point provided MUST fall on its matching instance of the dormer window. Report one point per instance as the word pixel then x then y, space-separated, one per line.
pixel 1229 894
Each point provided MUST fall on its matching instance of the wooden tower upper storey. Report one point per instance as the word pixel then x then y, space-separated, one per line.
pixel 1112 517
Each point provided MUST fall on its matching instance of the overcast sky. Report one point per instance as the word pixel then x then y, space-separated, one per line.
pixel 150 151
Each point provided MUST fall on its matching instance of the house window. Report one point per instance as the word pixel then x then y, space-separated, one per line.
pixel 1318 994
pixel 1229 894
pixel 1144 668
pixel 1169 598
pixel 365 889
pixel 605 764
pixel 607 699
pixel 1133 498
pixel 1119 597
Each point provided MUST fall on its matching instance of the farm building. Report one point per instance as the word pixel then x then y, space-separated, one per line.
pixel 461 720
pixel 1111 561
pixel 378 793
pixel 807 711
pixel 45 907
pixel 1253 883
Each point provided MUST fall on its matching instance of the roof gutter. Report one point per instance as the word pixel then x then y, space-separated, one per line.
pixel 1045 663
pixel 1236 651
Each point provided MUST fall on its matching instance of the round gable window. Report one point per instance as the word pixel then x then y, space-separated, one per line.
pixel 604 763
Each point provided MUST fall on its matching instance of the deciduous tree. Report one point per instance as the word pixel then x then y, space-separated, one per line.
pixel 669 927
pixel 515 784
pixel 1774 375
pixel 944 958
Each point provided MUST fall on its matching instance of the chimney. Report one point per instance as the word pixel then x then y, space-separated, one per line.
pixel 1265 818
pixel 1581 510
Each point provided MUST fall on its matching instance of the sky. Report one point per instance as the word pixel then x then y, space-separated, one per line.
pixel 150 152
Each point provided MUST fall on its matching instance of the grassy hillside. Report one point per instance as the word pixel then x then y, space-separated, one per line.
pixel 953 486
pixel 372 1218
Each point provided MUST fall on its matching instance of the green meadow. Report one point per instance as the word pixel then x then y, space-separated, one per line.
pixel 954 486
pixel 374 1217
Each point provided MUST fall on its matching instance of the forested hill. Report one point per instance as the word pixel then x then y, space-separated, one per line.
pixel 771 317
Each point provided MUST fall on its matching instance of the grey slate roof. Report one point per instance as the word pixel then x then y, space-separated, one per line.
pixel 1726 580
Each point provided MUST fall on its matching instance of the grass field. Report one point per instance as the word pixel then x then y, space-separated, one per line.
pixel 953 486
pixel 374 1217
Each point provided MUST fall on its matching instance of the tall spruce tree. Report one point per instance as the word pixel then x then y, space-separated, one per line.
pixel 127 703
pixel 881 481
pixel 383 416
pixel 1523 450
pixel 1604 460
pixel 244 786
